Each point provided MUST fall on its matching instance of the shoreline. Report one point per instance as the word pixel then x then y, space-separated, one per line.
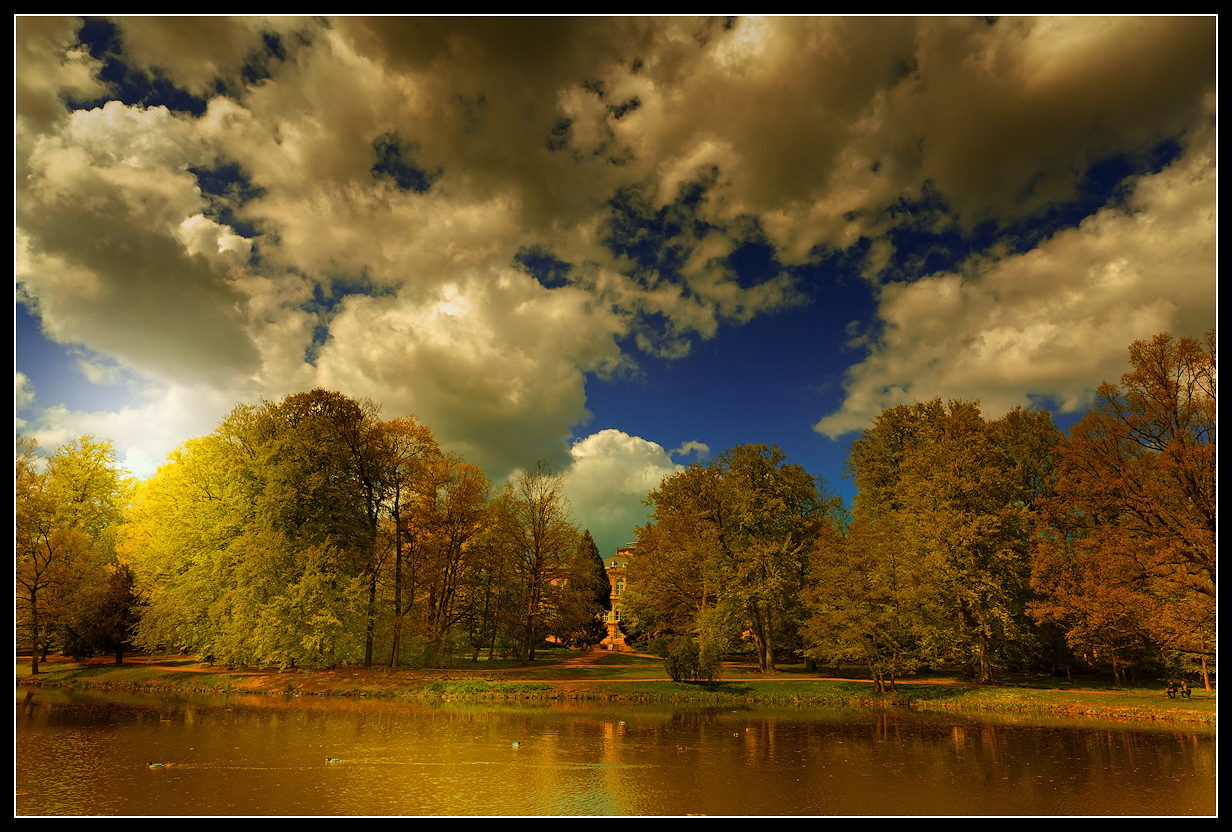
pixel 623 677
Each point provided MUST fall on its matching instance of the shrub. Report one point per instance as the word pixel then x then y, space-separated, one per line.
pixel 686 662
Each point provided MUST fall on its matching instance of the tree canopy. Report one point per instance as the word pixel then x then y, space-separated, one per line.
pixel 66 512
pixel 312 532
pixel 1127 551
pixel 727 548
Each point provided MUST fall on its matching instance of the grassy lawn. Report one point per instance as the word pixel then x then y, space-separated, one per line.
pixel 563 674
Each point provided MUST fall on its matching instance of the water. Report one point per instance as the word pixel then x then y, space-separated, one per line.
pixel 265 755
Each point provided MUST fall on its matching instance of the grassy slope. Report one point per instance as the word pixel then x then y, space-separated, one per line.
pixel 562 674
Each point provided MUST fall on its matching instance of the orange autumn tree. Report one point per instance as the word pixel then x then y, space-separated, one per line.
pixel 1125 561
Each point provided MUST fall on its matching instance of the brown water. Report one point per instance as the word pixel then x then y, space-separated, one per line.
pixel 89 755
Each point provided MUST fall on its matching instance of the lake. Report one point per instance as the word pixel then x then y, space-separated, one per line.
pixel 89 754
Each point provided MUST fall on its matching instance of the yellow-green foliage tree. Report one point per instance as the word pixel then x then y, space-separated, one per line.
pixel 66 512
pixel 185 535
pixel 266 541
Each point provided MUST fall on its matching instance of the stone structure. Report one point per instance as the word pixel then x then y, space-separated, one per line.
pixel 616 566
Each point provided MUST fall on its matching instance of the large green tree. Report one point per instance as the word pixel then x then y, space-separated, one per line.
pixel 179 538
pixel 66 512
pixel 866 601
pixel 960 491
pixel 727 550
pixel 268 540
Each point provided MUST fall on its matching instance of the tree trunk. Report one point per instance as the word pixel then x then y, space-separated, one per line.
pixel 986 677
pixel 532 607
pixel 769 663
pixel 393 657
pixel 370 635
pixel 393 660
pixel 759 635
pixel 34 631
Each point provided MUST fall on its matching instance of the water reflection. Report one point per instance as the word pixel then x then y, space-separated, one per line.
pixel 268 755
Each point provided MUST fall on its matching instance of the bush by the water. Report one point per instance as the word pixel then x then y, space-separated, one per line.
pixel 686 662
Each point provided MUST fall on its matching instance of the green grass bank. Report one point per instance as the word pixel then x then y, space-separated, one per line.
pixel 568 675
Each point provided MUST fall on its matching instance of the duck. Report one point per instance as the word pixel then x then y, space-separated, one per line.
pixel 160 765
pixel 333 760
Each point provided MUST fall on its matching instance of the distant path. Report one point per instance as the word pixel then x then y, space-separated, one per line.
pixel 733 672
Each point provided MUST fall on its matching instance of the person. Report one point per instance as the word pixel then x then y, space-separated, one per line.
pixel 1171 690
pixel 1184 689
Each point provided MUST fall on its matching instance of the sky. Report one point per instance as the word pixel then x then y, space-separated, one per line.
pixel 618 245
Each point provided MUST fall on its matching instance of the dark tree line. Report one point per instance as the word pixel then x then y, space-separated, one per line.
pixel 310 532
pixel 984 544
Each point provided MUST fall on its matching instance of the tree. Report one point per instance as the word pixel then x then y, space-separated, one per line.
pixel 410 449
pixel 1135 517
pixel 961 491
pixel 65 517
pixel 88 487
pixel 536 531
pixel 181 537
pixel 266 541
pixel 726 551
pixel 36 559
pixel 325 471
pixel 866 601
pixel 106 619
pixel 454 513
pixel 676 573
pixel 775 519
pixel 494 619
pixel 583 597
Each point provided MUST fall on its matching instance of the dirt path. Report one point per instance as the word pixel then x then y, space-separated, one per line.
pixel 382 678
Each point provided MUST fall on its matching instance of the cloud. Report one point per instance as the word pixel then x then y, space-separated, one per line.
pixel 1051 324
pixel 145 432
pixel 609 475
pixel 48 65
pixel 100 255
pixel 196 53
pixel 495 364
pixel 701 449
pixel 23 397
pixel 344 202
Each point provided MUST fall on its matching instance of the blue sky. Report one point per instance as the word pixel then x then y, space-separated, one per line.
pixel 616 244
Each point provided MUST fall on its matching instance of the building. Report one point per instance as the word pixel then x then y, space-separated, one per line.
pixel 617 566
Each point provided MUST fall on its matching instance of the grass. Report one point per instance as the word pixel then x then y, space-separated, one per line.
pixel 470 687
pixel 566 675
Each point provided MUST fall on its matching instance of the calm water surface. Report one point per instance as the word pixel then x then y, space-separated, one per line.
pixel 89 755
